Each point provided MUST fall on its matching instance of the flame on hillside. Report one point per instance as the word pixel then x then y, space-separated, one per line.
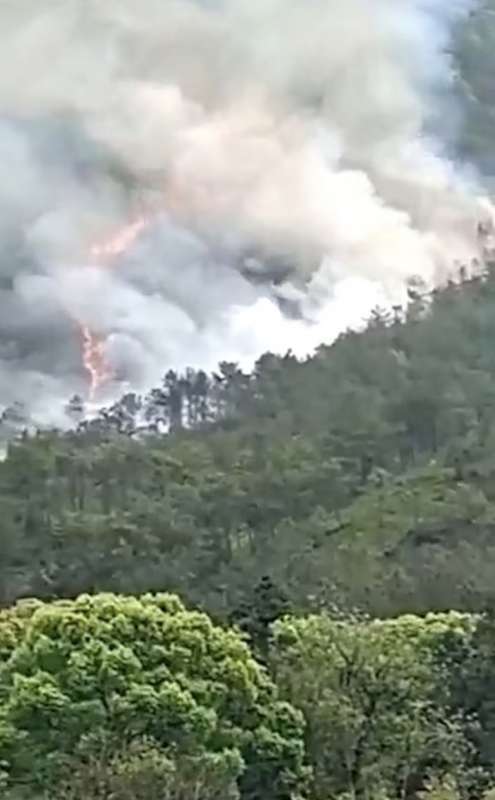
pixel 92 343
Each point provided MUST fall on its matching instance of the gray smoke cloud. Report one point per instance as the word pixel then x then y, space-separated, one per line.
pixel 287 153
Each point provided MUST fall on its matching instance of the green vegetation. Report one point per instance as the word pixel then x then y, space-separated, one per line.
pixel 268 586
pixel 475 61
pixel 323 517
pixel 375 698
pixel 319 519
pixel 117 698
pixel 106 691
pixel 360 478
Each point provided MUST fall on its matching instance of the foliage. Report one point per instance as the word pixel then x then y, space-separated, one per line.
pixel 474 61
pixel 331 509
pixel 359 477
pixel 102 694
pixel 374 698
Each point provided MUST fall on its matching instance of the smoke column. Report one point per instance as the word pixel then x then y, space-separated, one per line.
pixel 288 155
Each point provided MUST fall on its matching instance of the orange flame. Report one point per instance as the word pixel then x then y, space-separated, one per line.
pixel 120 242
pixel 93 344
pixel 94 360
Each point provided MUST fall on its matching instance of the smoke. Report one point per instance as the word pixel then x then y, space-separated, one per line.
pixel 290 153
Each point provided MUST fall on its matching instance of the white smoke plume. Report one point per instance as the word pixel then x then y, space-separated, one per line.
pixel 289 152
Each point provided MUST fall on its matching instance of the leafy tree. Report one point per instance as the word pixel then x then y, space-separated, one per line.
pixel 105 696
pixel 361 476
pixel 256 615
pixel 371 693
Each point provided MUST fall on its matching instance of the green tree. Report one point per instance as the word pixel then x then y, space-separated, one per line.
pixel 373 702
pixel 85 684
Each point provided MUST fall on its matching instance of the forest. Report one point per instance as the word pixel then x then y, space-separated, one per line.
pixel 268 585
pixel 327 524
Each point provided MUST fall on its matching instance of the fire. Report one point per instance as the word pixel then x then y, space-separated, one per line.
pixel 93 344
pixel 93 355
pixel 120 242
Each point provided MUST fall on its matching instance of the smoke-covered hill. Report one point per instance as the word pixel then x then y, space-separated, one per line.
pixel 474 56
pixel 362 476
pixel 292 162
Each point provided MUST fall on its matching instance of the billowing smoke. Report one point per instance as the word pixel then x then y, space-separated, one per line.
pixel 288 154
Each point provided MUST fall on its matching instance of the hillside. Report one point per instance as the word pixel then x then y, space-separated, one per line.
pixel 474 60
pixel 320 518
pixel 264 585
pixel 360 477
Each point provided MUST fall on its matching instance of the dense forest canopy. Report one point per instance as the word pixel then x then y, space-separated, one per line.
pixel 359 477
pixel 268 585
pixel 296 504
pixel 474 58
